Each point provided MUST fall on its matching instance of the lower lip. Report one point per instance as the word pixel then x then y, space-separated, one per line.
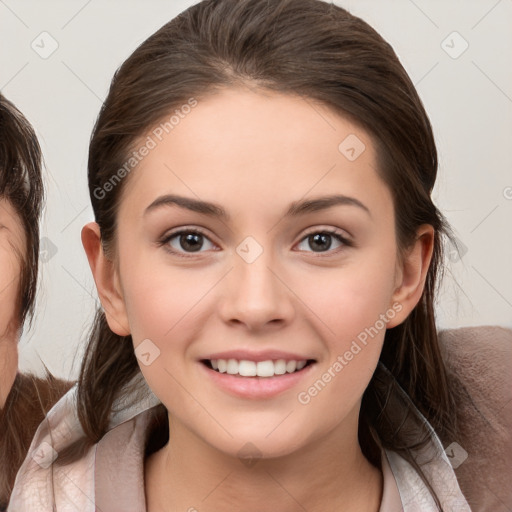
pixel 256 387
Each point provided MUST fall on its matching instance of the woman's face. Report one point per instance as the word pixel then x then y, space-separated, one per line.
pixel 260 282
pixel 12 243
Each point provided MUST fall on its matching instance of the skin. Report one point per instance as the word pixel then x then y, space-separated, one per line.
pixel 254 153
pixel 12 243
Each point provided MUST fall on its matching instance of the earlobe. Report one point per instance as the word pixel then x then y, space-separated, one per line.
pixel 106 279
pixel 412 274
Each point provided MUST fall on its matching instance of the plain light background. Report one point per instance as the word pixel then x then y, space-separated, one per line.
pixel 56 62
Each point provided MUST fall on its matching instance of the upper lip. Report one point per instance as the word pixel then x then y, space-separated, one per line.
pixel 265 355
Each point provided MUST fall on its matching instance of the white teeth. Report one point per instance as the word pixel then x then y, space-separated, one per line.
pixel 265 369
pixel 232 367
pixel 223 365
pixel 291 366
pixel 280 367
pixel 247 368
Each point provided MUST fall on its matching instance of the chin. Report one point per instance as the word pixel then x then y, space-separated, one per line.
pixel 259 442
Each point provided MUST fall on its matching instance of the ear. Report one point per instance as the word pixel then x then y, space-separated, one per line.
pixel 107 280
pixel 411 274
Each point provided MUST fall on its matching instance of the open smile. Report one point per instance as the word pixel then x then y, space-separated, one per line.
pixel 249 379
pixel 247 368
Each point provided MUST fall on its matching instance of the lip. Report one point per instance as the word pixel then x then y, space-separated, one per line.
pixel 256 388
pixel 265 355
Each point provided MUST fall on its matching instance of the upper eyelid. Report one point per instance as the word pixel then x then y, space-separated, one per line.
pixel 185 229
pixel 331 230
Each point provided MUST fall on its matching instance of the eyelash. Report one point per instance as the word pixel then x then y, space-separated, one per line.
pixel 164 242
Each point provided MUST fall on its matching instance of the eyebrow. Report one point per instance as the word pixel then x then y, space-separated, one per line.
pixel 295 209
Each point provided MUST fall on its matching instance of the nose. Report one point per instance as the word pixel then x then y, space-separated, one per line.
pixel 256 295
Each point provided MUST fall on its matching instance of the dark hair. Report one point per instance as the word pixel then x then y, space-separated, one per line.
pixel 323 53
pixel 21 184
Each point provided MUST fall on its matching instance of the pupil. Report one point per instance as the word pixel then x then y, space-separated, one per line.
pixel 322 240
pixel 191 241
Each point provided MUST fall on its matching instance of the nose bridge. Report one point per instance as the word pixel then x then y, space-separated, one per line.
pixel 255 295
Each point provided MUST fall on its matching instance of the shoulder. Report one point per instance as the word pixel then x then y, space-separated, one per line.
pixel 108 473
pixel 28 402
pixel 479 365
pixel 471 348
pixel 40 483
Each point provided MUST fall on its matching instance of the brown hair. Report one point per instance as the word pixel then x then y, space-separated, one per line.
pixel 22 185
pixel 322 52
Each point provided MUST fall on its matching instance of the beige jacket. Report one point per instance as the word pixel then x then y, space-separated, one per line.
pixel 109 477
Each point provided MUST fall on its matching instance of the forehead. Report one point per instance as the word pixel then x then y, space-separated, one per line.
pixel 256 147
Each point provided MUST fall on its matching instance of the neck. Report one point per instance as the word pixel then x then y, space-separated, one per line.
pixel 8 367
pixel 185 475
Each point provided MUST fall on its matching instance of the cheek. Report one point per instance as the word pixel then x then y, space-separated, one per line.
pixel 351 307
pixel 161 301
pixel 9 286
pixel 164 312
pixel 350 299
pixel 163 306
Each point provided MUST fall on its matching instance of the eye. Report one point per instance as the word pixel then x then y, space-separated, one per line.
pixel 321 241
pixel 185 241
